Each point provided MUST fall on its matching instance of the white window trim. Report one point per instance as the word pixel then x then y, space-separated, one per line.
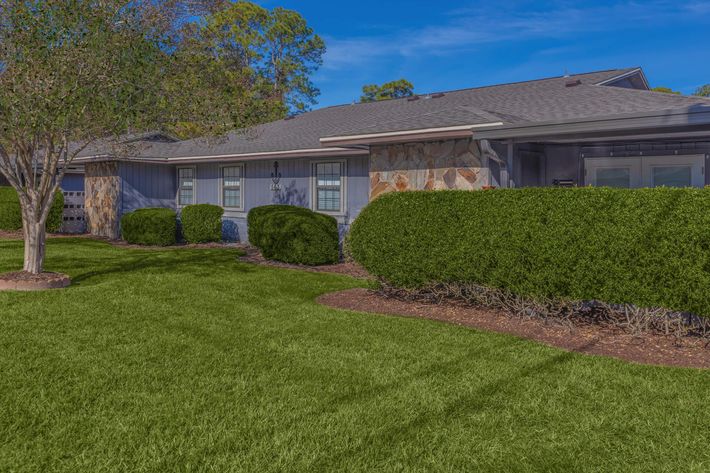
pixel 343 187
pixel 242 180
pixel 194 186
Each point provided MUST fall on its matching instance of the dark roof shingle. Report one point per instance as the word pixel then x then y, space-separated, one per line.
pixel 542 100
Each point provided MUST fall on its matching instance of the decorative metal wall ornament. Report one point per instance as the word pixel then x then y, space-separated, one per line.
pixel 275 178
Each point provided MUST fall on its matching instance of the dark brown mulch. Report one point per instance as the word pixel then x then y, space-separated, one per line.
pixel 187 246
pixel 349 269
pixel 5 235
pixel 649 349
pixel 24 281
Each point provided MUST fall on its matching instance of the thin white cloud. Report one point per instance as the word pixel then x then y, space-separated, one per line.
pixel 465 29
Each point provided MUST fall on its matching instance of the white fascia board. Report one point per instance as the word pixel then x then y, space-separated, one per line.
pixel 635 121
pixel 623 76
pixel 297 153
pixel 422 133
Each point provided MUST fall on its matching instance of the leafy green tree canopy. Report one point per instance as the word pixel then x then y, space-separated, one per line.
pixel 389 90
pixel 275 49
pixel 73 72
pixel 665 90
pixel 703 91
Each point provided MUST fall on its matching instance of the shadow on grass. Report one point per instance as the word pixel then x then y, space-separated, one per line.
pixel 472 402
pixel 101 260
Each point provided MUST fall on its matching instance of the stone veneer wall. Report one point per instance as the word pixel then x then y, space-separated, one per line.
pixel 103 188
pixel 451 164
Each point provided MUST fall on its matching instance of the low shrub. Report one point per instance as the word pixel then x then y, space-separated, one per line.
pixel 255 219
pixel 11 215
pixel 156 227
pixel 648 247
pixel 201 223
pixel 294 235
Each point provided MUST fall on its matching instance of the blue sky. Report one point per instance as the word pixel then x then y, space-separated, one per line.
pixel 444 45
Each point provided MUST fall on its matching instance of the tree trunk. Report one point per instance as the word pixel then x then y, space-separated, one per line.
pixel 35 238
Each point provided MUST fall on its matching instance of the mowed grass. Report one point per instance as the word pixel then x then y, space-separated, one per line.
pixel 188 360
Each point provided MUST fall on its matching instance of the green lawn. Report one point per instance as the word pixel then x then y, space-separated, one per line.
pixel 188 360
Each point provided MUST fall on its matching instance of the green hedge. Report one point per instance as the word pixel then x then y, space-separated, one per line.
pixel 294 234
pixel 157 227
pixel 649 247
pixel 201 223
pixel 11 215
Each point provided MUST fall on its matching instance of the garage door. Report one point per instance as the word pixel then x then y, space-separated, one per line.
pixel 646 171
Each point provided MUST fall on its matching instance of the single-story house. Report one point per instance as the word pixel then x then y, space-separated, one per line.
pixel 601 128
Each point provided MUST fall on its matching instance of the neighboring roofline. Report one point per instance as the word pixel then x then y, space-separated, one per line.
pixel 296 153
pixel 447 132
pixel 633 121
pixel 638 71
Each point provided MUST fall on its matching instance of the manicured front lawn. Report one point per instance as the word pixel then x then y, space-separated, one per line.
pixel 188 360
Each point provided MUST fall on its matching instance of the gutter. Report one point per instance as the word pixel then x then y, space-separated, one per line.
pixel 689 117
pixel 287 154
pixel 448 132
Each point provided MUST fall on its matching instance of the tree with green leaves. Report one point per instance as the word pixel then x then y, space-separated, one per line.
pixel 665 90
pixel 274 51
pixel 73 72
pixel 703 91
pixel 389 90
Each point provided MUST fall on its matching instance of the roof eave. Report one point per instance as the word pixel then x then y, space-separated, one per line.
pixel 284 154
pixel 638 121
pixel 405 136
pixel 630 73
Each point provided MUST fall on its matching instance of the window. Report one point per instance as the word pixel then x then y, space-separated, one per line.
pixel 232 186
pixel 329 186
pixel 672 176
pixel 646 171
pixel 186 186
pixel 614 177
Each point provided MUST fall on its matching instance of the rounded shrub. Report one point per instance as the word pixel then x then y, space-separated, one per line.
pixel 156 227
pixel 11 214
pixel 255 219
pixel 294 235
pixel 201 223
pixel 649 247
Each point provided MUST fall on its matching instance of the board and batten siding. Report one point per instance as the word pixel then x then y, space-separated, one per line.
pixel 146 185
pixel 155 185
pixel 295 183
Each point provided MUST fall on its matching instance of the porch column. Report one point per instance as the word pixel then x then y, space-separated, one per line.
pixel 510 163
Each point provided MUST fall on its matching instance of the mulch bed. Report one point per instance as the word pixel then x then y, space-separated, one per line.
pixel 24 281
pixel 648 349
pixel 349 269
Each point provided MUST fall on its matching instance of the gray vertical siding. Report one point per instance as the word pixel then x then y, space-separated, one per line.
pixel 146 185
pixel 73 182
pixel 155 185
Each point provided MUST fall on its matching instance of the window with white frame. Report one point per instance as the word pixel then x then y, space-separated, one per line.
pixel 232 186
pixel 186 186
pixel 328 193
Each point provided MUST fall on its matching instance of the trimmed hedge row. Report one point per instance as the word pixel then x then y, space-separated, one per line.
pixel 11 214
pixel 649 247
pixel 156 227
pixel 294 234
pixel 202 223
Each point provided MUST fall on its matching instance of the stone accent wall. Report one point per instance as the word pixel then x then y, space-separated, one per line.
pixel 103 188
pixel 451 164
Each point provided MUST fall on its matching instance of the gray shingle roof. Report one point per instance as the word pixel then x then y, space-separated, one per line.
pixel 541 100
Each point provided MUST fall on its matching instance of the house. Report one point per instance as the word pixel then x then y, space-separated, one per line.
pixel 601 128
